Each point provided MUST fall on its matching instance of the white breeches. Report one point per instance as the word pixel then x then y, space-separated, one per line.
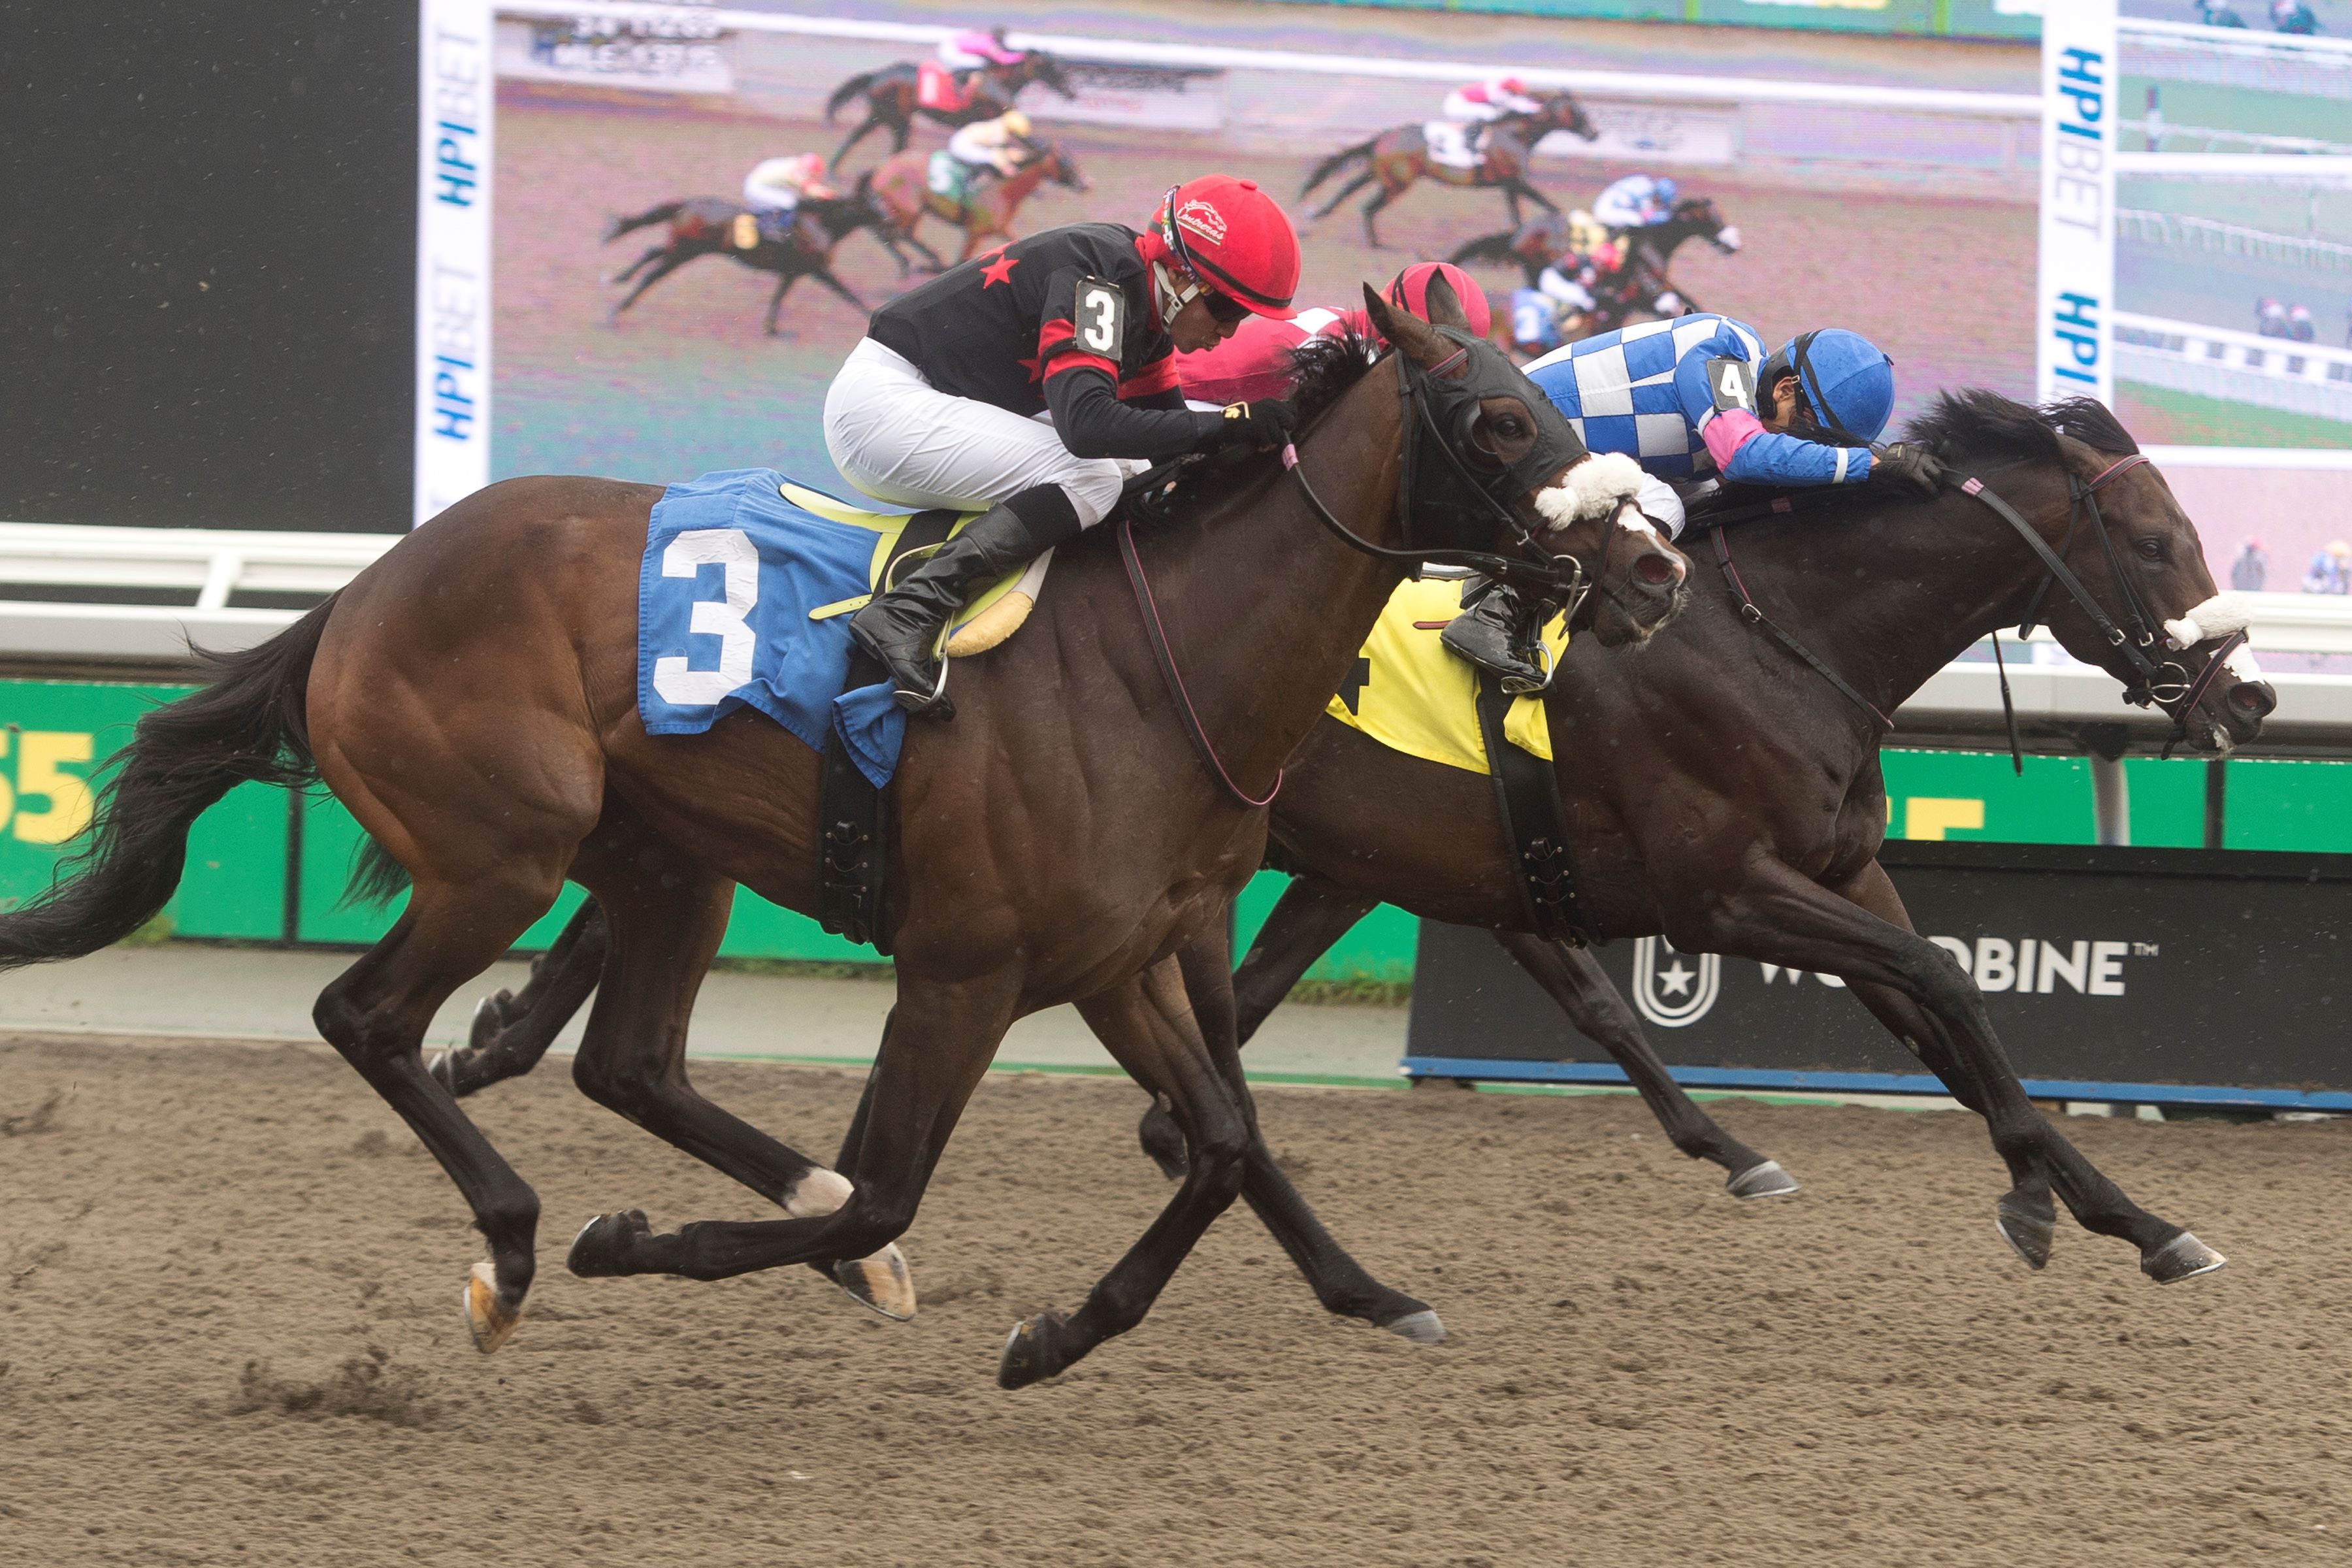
pixel 763 198
pixel 901 439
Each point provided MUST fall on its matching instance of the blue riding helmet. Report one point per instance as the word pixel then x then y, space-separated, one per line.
pixel 1666 190
pixel 1848 381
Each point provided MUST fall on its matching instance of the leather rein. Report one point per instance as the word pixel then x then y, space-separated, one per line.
pixel 1559 577
pixel 2151 685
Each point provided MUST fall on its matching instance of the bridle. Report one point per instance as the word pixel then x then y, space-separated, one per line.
pixel 2157 681
pixel 1560 581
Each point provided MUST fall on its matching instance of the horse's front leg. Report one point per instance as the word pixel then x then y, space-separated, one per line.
pixel 1574 979
pixel 2168 1253
pixel 873 122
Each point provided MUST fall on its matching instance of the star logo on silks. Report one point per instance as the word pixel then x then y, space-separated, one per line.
pixel 1035 368
pixel 998 271
pixel 1677 981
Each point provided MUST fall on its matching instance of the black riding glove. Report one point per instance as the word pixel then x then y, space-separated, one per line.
pixel 1263 426
pixel 1906 463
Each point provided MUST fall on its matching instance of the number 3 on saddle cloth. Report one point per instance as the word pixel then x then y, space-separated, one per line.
pixel 1410 694
pixel 744 601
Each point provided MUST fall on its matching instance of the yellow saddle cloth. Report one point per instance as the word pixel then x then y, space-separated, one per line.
pixel 988 619
pixel 1412 696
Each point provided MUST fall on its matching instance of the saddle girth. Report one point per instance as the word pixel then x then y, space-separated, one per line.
pixel 1535 823
pixel 852 849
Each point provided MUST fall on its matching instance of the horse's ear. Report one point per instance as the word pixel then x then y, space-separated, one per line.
pixel 1445 305
pixel 1405 330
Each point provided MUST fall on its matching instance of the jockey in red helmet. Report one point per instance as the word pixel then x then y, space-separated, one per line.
pixel 1255 361
pixel 935 407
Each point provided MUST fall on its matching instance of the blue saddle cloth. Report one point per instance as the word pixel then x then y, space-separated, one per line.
pixel 731 571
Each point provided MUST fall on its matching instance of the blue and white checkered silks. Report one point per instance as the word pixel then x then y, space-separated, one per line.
pixel 1619 389
pixel 731 571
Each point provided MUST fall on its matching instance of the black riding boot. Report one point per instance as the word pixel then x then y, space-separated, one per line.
pixel 1494 632
pixel 902 628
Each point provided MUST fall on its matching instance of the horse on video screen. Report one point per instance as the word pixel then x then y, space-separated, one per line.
pixel 1695 788
pixel 1496 158
pixel 1638 284
pixel 895 95
pixel 717 225
pixel 471 697
pixel 983 210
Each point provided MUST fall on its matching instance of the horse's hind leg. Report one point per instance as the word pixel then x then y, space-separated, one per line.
pixel 667 915
pixel 824 276
pixel 376 1014
pixel 1301 927
pixel 511 1031
pixel 671 262
pixel 1372 211
pixel 653 254
pixel 2168 1253
pixel 1317 213
pixel 1573 978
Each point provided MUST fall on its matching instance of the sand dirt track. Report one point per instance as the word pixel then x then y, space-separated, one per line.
pixel 1642 1371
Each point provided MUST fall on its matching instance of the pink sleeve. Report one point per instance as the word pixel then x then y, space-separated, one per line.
pixel 1729 431
pixel 1253 363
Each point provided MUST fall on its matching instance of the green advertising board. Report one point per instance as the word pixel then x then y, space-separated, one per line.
pixel 256 871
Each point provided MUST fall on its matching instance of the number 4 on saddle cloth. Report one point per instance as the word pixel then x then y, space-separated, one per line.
pixel 1411 695
pixel 744 597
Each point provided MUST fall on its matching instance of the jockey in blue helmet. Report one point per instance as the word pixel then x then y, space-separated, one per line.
pixel 1697 397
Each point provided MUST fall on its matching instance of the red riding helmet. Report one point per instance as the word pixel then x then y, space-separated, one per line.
pixel 1408 290
pixel 1237 240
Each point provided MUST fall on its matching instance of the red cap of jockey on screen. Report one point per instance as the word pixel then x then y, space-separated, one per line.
pixel 1408 290
pixel 1235 239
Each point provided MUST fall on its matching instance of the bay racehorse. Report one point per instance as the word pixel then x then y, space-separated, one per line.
pixel 1722 793
pixel 470 699
pixel 984 211
pixel 894 96
pixel 1396 158
pixel 715 226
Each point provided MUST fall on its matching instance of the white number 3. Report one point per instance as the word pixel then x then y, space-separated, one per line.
pixel 1101 333
pixel 731 548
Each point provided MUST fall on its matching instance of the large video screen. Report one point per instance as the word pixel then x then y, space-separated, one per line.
pixel 630 318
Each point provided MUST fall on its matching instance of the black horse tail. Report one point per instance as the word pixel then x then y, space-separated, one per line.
pixel 847 90
pixel 1337 161
pixel 621 226
pixel 1495 248
pixel 249 724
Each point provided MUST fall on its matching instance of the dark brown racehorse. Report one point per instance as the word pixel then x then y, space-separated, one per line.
pixel 893 98
pixel 1395 159
pixel 714 225
pixel 984 212
pixel 1725 794
pixel 471 698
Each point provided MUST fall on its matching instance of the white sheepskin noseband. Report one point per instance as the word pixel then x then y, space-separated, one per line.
pixel 1594 488
pixel 2216 617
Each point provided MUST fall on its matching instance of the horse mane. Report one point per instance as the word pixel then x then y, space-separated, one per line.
pixel 1983 424
pixel 1324 367
pixel 1965 428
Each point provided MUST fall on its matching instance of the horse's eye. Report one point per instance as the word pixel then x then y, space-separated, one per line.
pixel 2150 548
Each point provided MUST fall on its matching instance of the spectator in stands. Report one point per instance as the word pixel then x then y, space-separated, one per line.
pixel 2331 570
pixel 2219 14
pixel 2251 569
pixel 2270 318
pixel 2300 326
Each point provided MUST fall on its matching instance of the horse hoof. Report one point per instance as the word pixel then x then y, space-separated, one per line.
pixel 1764 1181
pixel 1030 1353
pixel 443 1070
pixel 2182 1257
pixel 2028 1235
pixel 598 1252
pixel 488 1321
pixel 880 1282
pixel 1423 1328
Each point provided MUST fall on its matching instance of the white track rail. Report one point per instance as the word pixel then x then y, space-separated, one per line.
pixel 2243 367
pixel 1641 86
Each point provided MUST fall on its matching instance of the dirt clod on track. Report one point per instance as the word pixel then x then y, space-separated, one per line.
pixel 230 1332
